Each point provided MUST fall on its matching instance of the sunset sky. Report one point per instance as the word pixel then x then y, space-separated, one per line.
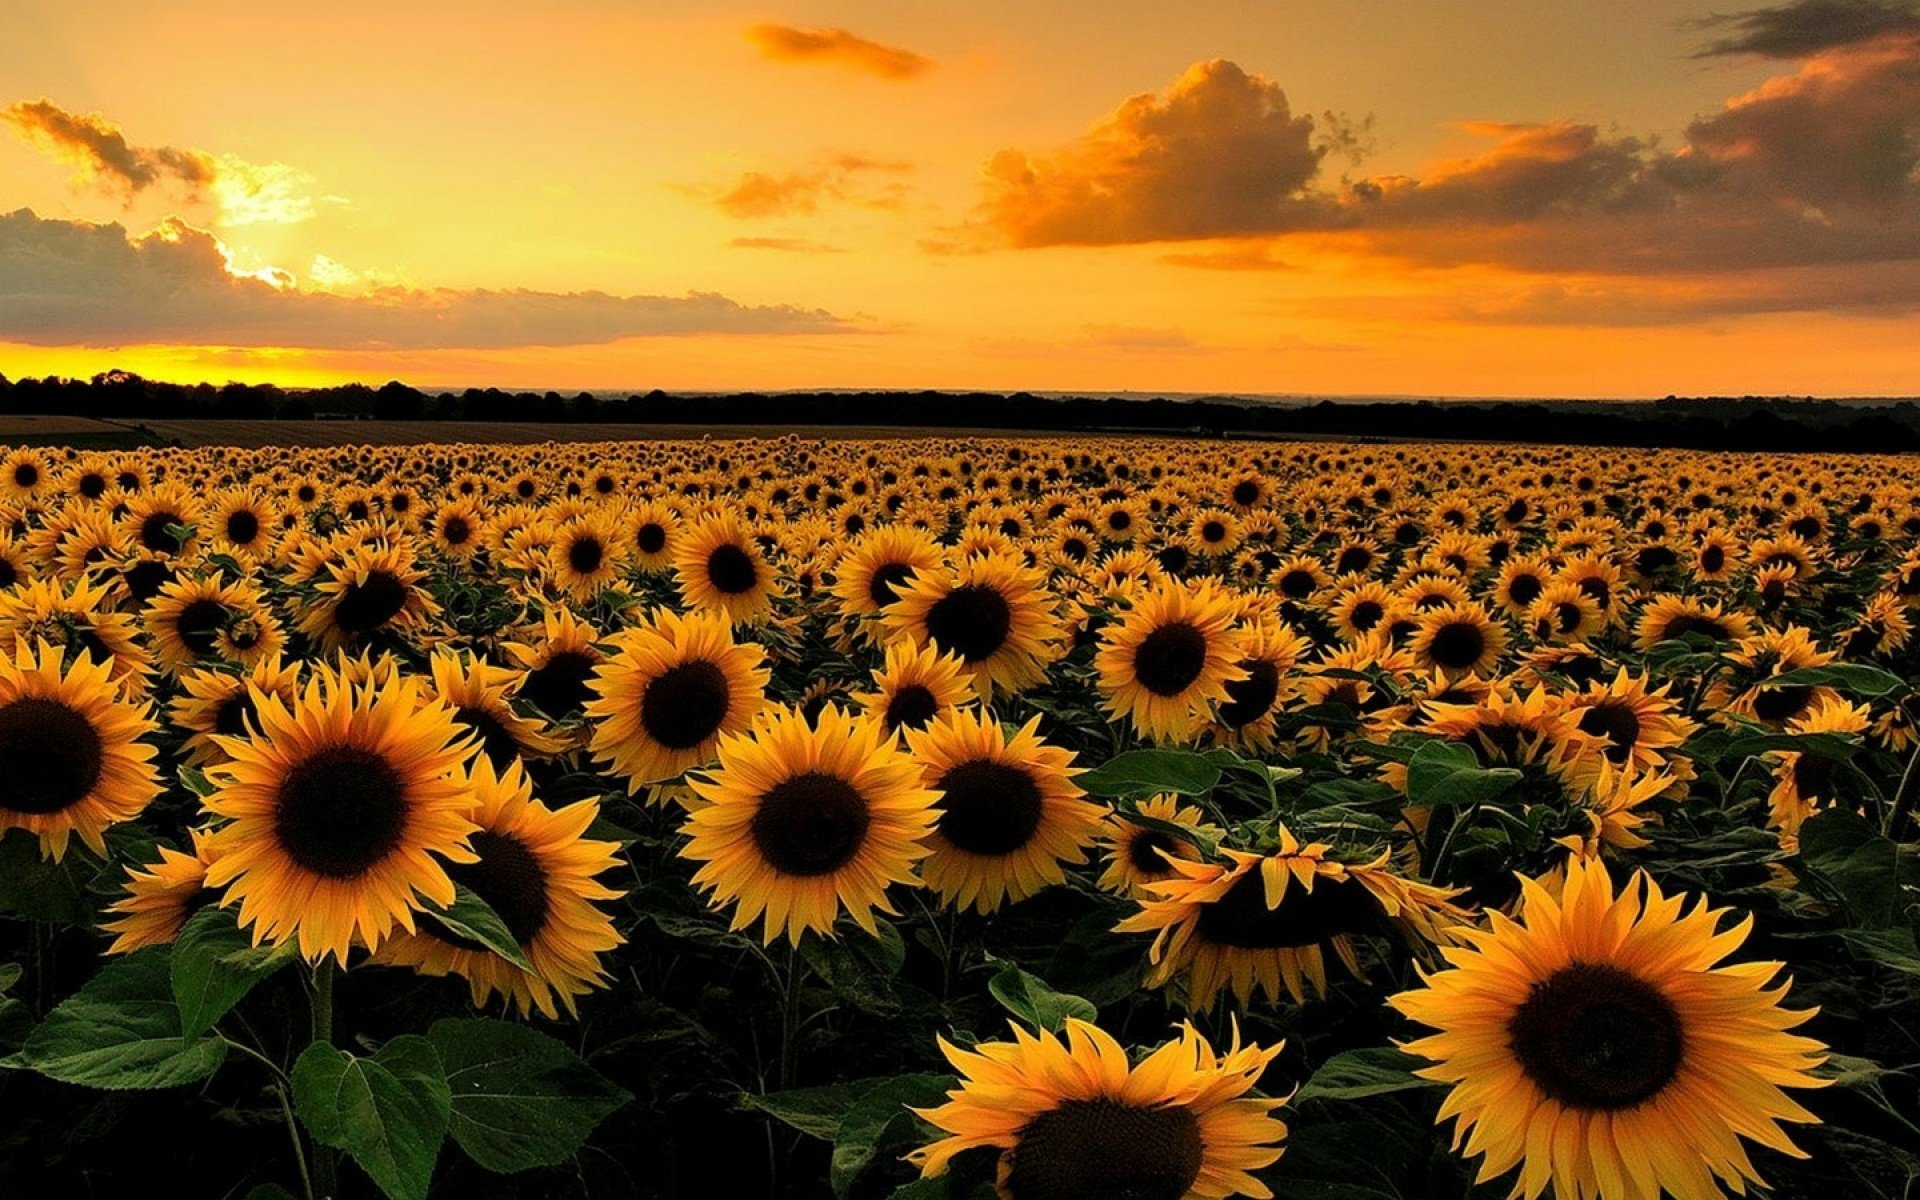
pixel 1506 197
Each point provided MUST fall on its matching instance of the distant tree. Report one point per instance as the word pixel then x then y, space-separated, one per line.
pixel 296 408
pixel 395 401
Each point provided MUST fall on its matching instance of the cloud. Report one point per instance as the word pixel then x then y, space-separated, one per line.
pixel 787 244
pixel 242 193
pixel 1132 337
pixel 760 194
pixel 1236 256
pixel 1219 154
pixel 1806 27
pixel 786 43
pixel 73 283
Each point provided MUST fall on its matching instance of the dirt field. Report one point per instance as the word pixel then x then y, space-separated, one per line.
pixel 400 433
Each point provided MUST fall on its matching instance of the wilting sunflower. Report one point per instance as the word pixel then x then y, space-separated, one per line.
pixel 372 591
pixel 78 617
pixel 1596 1045
pixel 1138 853
pixel 161 897
pixel 71 761
pixel 1269 922
pixel 675 687
pixel 992 610
pixel 915 686
pixel 1459 639
pixel 720 568
pixel 535 867
pixel 342 815
pixel 1073 1121
pixel 1009 812
pixel 805 819
pixel 217 702
pixel 1167 663
pixel 481 696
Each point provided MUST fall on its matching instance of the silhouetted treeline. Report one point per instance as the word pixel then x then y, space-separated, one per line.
pixel 1710 423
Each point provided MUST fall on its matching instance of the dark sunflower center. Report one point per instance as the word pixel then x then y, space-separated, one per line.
pixel 1103 1150
pixel 234 713
pixel 1353 558
pixel 341 811
pixel 510 879
pixel 1145 849
pixel 812 824
pixel 585 555
pixel 652 538
pixel 989 808
pixel 1168 660
pixel 1781 703
pixel 1617 723
pixel 456 531
pixel 1242 919
pixel 9 574
pixel 884 588
pixel 1813 776
pixel 1297 585
pixel 1524 589
pixel 1458 645
pixel 1251 698
pixel 1213 531
pixel 26 475
pixel 559 688
pixel 685 704
pixel 242 527
pixel 369 604
pixel 731 569
pixel 972 621
pixel 912 707
pixel 496 740
pixel 50 756
pixel 154 535
pixel 199 625
pixel 1245 492
pixel 93 485
pixel 1593 1036
pixel 1712 559
pixel 1366 615
pixel 1687 623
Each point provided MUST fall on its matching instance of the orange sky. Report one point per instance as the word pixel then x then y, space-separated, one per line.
pixel 1387 196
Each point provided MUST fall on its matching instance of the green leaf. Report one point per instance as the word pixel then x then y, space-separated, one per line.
pixel 215 964
pixel 268 1191
pixel 879 1123
pixel 1873 875
pixel 1894 948
pixel 1205 846
pixel 520 1099
pixel 1444 773
pixel 1028 997
pixel 390 1111
pixel 1358 1074
pixel 1856 678
pixel 815 1111
pixel 9 975
pixel 1145 772
pixel 122 1031
pixel 1837 746
pixel 39 888
pixel 472 918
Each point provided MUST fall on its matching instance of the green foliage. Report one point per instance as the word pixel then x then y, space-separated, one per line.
pixel 520 1099
pixel 123 1031
pixel 389 1111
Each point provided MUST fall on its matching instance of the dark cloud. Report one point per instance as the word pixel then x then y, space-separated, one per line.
pixel 71 283
pixel 1806 27
pixel 100 152
pixel 786 43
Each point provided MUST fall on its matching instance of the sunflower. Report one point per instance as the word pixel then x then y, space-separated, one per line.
pixel 719 567
pixel 1666 617
pixel 459 529
pixel 186 619
pixel 535 867
pixel 481 696
pixel 1268 922
pixel 652 529
pixel 161 897
pixel 1758 659
pixel 1138 853
pixel 868 577
pixel 242 522
pixel 15 566
pixel 1271 655
pixel 585 556
pixel 372 591
pixel 78 617
pixel 674 688
pixel 1596 1045
pixel 1361 609
pixel 1009 812
pixel 164 520
pixel 1459 639
pixel 915 686
pixel 1168 661
pixel 1642 727
pixel 70 755
pixel 803 820
pixel 342 814
pixel 217 702
pixel 1565 613
pixel 993 611
pixel 557 663
pixel 1522 579
pixel 1803 779
pixel 1073 1121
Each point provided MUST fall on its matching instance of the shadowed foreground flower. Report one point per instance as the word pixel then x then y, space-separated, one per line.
pixel 1074 1121
pixel 1596 1045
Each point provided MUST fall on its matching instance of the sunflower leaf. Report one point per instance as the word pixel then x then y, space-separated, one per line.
pixel 41 889
pixel 880 1121
pixel 389 1111
pixel 215 964
pixel 473 919
pixel 520 1099
pixel 122 1031
pixel 1857 678
pixel 1359 1074
pixel 1447 773
pixel 1145 772
pixel 1028 997
pixel 1878 879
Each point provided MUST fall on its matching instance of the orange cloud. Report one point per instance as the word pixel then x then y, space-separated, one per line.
pixel 785 43
pixel 758 194
pixel 787 244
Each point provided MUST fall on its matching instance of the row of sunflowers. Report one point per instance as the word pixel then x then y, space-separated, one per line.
pixel 1059 819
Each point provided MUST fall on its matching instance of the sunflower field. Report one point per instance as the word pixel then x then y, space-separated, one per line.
pixel 1074 819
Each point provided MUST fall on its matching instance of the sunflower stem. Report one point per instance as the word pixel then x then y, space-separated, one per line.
pixel 325 1166
pixel 1902 798
pixel 293 1133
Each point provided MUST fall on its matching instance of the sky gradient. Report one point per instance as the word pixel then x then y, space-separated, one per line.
pixel 1387 196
